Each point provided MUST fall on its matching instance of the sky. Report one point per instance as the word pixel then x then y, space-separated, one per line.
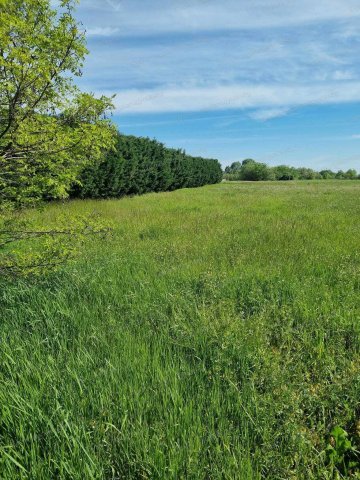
pixel 273 80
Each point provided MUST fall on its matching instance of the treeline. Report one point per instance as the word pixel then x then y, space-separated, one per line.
pixel 141 165
pixel 250 170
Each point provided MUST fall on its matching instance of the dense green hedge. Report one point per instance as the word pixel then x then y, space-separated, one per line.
pixel 141 165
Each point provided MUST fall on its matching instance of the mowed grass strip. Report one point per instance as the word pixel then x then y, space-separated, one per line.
pixel 215 335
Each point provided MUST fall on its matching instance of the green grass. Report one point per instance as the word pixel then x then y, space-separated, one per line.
pixel 216 335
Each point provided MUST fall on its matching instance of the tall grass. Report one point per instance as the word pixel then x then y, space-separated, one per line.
pixel 216 335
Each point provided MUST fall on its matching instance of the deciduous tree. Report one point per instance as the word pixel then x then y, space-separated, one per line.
pixel 48 129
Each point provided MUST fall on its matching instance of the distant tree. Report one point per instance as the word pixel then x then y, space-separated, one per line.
pixel 340 174
pixel 307 174
pixel 247 161
pixel 351 174
pixel 283 172
pixel 251 170
pixel 233 168
pixel 327 174
pixel 248 170
pixel 255 171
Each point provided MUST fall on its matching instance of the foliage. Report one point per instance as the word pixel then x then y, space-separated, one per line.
pixel 141 165
pixel 327 174
pixel 48 129
pixel 253 171
pixel 283 172
pixel 350 174
pixel 341 452
pixel 214 335
pixel 307 174
pixel 26 250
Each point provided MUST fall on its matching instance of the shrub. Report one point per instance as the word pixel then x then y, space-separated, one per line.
pixel 141 165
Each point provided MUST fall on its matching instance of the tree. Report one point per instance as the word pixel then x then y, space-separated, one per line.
pixel 351 174
pixel 233 168
pixel 327 174
pixel 247 161
pixel 283 172
pixel 48 129
pixel 249 170
pixel 140 165
pixel 255 171
pixel 307 174
pixel 340 175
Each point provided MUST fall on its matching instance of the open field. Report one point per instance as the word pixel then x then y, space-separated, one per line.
pixel 216 335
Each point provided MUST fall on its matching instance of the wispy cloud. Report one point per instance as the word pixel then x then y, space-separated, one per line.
pixel 162 66
pixel 269 113
pixel 343 75
pixel 206 15
pixel 241 63
pixel 101 31
pixel 272 100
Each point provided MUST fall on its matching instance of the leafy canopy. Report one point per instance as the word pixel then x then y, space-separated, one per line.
pixel 48 128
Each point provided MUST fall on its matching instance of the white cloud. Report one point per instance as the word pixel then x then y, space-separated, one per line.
pixel 343 75
pixel 199 15
pixel 269 113
pixel 121 59
pixel 101 31
pixel 270 98
pixel 356 136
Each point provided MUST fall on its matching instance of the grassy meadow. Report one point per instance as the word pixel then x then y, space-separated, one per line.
pixel 214 335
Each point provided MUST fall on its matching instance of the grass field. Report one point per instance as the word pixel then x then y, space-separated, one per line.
pixel 215 335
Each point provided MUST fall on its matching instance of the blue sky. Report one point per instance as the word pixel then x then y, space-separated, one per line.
pixel 275 80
